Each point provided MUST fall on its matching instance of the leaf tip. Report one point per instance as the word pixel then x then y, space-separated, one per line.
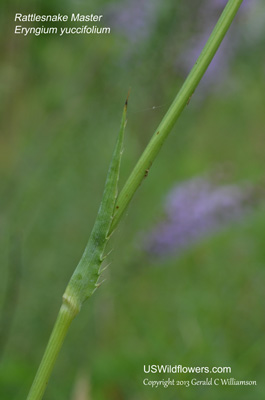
pixel 127 99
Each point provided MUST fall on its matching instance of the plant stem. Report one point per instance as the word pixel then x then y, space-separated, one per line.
pixel 182 99
pixel 65 316
pixel 70 308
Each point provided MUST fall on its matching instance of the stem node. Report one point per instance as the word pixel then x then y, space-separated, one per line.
pixel 70 305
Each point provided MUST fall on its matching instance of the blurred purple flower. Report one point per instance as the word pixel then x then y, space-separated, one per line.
pixel 206 18
pixel 135 18
pixel 195 209
pixel 137 21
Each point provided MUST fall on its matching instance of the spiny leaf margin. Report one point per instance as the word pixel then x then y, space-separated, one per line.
pixel 84 280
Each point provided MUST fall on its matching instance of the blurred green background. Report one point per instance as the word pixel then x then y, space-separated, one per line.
pixel 61 103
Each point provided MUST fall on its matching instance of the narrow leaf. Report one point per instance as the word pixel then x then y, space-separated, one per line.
pixel 84 280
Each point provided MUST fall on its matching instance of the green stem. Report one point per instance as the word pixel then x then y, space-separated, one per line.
pixel 182 99
pixel 68 311
pixel 70 308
